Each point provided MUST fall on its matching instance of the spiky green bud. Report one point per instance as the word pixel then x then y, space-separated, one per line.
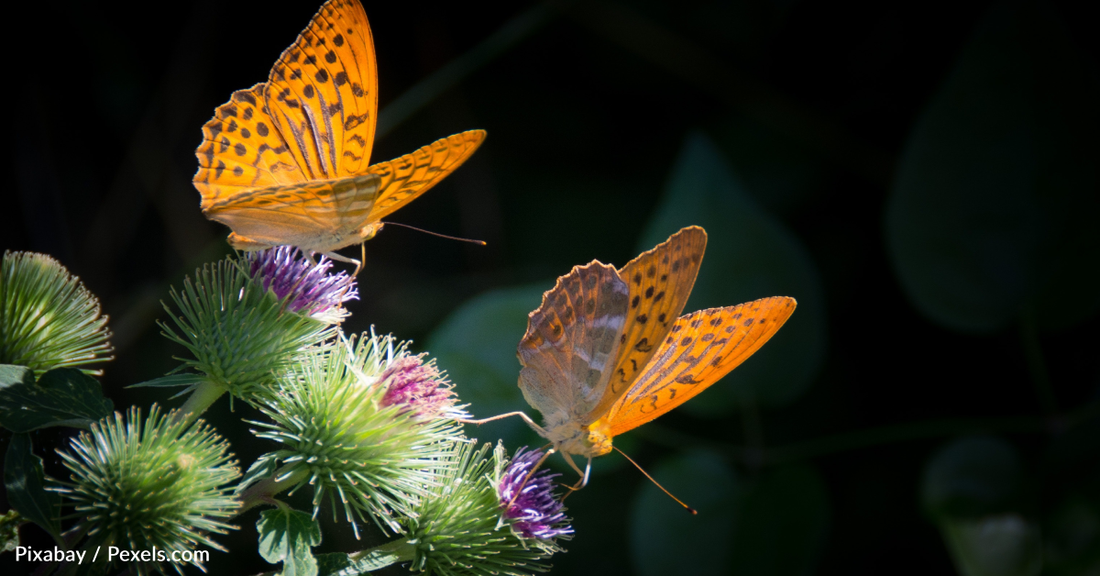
pixel 138 484
pixel 238 332
pixel 342 439
pixel 48 319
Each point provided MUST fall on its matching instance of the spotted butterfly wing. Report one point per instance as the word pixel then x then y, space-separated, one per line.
pixel 699 350
pixel 571 340
pixel 659 283
pixel 322 93
pixel 286 161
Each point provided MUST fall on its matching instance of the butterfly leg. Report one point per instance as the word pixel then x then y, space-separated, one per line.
pixel 542 432
pixel 345 259
pixel 527 478
pixel 584 475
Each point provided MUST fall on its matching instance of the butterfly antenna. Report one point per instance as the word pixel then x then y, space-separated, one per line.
pixel 478 242
pixel 678 501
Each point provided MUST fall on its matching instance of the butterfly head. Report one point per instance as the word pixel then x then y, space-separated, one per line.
pixel 588 441
pixel 367 232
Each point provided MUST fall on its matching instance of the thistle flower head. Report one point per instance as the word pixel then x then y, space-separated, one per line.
pixel 307 288
pixel 48 319
pixel 414 385
pixel 458 528
pixel 339 437
pixel 158 482
pixel 528 500
pixel 239 333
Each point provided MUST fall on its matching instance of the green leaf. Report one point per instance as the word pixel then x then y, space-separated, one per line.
pixel 9 530
pixel 171 381
pixel 263 467
pixel 25 481
pixel 388 554
pixel 782 523
pixel 749 255
pixel 1003 545
pixel 335 564
pixel 972 477
pixel 286 536
pixel 994 208
pixel 665 538
pixel 476 345
pixel 62 397
pixel 1072 537
pixel 11 374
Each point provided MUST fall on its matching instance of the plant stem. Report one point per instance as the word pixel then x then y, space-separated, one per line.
pixel 263 490
pixel 201 398
pixel 388 554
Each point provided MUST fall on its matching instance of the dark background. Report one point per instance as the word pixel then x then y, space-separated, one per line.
pixel 816 119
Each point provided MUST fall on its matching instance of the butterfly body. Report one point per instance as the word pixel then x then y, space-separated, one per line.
pixel 286 162
pixel 608 351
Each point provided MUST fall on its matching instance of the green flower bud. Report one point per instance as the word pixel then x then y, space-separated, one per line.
pixel 341 438
pixel 159 483
pixel 48 319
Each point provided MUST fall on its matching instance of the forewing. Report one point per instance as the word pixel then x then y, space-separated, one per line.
pixel 241 150
pixel 701 348
pixel 660 282
pixel 570 341
pixel 405 178
pixel 323 92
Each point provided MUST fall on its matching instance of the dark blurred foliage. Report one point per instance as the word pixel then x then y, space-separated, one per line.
pixel 922 176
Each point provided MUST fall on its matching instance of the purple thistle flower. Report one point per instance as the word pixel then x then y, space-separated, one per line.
pixel 538 513
pixel 418 386
pixel 314 292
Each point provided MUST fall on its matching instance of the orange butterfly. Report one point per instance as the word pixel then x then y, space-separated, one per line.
pixel 286 162
pixel 608 351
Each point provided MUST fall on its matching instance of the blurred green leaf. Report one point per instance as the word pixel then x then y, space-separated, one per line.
pixel 61 397
pixel 782 523
pixel 1003 545
pixel 972 477
pixel 476 345
pixel 25 482
pixel 775 524
pixel 1072 537
pixel 749 255
pixel 994 208
pixel 286 536
pixel 665 538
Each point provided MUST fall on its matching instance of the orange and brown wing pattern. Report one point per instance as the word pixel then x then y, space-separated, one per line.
pixel 323 93
pixel 404 179
pixel 242 150
pixel 660 281
pixel 701 348
pixel 570 341
pixel 311 215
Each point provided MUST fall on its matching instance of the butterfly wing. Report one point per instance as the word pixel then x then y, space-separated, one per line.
pixel 570 342
pixel 660 282
pixel 241 150
pixel 701 348
pixel 309 215
pixel 322 93
pixel 403 179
